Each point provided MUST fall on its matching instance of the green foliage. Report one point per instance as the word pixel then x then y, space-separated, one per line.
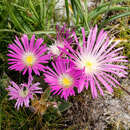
pixel 124 32
pixel 28 16
pixel 118 92
pixel 67 11
pixel 86 18
pixel 64 106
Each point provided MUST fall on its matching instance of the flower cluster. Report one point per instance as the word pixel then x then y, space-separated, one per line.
pixel 88 65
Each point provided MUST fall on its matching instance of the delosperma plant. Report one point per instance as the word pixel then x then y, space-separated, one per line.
pixel 64 77
pixel 28 55
pixel 23 92
pixel 98 58
pixel 90 65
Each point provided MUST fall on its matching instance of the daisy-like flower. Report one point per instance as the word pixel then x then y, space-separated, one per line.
pixel 63 78
pixel 23 92
pixel 27 55
pixel 64 36
pixel 97 57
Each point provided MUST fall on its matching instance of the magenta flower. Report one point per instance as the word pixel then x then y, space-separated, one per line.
pixel 23 93
pixel 63 78
pixel 64 36
pixel 97 57
pixel 28 56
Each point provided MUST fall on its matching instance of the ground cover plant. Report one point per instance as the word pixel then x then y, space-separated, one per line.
pixel 60 66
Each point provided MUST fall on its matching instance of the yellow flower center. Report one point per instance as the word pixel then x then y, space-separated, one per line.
pixel 23 92
pixel 29 59
pixel 89 64
pixel 66 81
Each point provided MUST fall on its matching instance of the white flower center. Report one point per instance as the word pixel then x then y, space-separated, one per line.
pixel 24 92
pixel 90 64
pixel 65 80
pixel 54 48
pixel 29 58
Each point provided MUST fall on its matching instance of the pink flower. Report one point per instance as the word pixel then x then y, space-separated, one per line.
pixel 23 93
pixel 63 78
pixel 28 56
pixel 64 36
pixel 97 57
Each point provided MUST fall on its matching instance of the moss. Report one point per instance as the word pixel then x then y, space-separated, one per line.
pixel 126 48
pixel 118 92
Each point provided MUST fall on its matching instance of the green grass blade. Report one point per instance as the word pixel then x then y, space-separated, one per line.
pixel 67 11
pixel 33 9
pixel 73 8
pixel 15 20
pixel 115 17
pixel 19 7
pixel 93 15
pixel 81 14
pixel 10 30
pixel 86 13
pixel 42 32
pixel 43 21
pixel 41 9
